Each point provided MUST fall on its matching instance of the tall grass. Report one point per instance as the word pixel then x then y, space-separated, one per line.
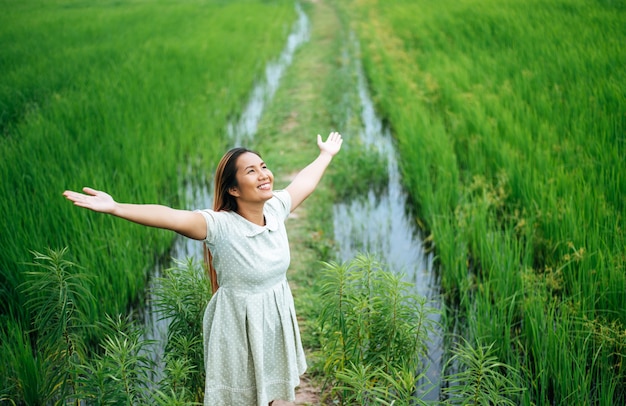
pixel 131 97
pixel 510 125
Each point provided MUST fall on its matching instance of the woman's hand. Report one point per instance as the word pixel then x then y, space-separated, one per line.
pixel 92 199
pixel 332 145
pixel 306 181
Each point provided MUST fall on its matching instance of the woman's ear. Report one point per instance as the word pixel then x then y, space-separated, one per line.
pixel 233 191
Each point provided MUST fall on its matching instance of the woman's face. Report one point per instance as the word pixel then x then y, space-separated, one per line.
pixel 254 180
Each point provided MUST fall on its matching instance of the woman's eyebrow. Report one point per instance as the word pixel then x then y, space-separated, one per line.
pixel 254 165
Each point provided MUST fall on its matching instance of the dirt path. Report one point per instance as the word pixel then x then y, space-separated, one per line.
pixel 286 138
pixel 306 395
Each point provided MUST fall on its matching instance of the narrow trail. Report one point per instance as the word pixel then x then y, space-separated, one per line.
pixel 325 66
pixel 287 129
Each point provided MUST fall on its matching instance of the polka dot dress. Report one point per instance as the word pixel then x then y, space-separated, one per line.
pixel 252 348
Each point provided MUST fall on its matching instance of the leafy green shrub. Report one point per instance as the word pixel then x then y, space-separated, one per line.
pixel 50 363
pixel 373 333
pixel 121 375
pixel 481 379
pixel 182 295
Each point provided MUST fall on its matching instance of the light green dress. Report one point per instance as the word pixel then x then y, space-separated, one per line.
pixel 252 348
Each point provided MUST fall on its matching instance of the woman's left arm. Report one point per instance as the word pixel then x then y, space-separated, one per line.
pixel 306 181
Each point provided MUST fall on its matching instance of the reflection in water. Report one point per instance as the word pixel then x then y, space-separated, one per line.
pixel 201 196
pixel 381 225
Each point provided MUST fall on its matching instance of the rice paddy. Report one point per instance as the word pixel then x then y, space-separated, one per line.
pixel 508 118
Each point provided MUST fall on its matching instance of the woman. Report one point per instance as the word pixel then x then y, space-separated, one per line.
pixel 253 353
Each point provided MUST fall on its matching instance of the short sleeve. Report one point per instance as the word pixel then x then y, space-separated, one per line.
pixel 211 224
pixel 283 203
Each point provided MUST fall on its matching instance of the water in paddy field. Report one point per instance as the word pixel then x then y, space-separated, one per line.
pixel 243 131
pixel 380 224
pixel 200 196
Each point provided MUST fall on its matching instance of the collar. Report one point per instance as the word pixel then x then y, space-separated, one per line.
pixel 251 229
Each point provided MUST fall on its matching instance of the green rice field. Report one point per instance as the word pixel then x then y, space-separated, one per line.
pixel 131 97
pixel 509 118
pixel 123 96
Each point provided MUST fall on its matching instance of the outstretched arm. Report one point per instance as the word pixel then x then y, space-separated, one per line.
pixel 306 181
pixel 188 223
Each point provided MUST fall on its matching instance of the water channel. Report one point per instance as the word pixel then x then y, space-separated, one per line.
pixel 377 223
pixel 381 224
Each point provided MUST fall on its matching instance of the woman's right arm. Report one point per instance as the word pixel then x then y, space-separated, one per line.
pixel 188 223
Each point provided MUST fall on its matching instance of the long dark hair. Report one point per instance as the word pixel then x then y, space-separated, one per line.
pixel 225 178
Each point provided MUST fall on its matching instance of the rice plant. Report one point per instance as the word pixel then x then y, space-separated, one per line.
pixel 508 118
pixel 128 96
pixel 132 97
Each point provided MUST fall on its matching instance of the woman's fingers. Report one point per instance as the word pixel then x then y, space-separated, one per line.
pixel 90 191
pixel 91 199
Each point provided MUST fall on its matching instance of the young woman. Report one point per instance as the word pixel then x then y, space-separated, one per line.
pixel 252 349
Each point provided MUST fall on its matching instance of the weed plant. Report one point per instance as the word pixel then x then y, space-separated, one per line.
pixel 181 297
pixel 481 379
pixel 51 363
pixel 374 335
pixel 37 367
pixel 509 122
pixel 120 373
pixel 373 332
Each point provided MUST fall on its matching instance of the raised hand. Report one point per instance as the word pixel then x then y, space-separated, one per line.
pixel 332 145
pixel 92 199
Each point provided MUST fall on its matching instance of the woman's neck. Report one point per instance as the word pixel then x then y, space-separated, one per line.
pixel 252 213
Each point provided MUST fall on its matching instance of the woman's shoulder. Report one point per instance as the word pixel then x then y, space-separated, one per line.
pixel 220 223
pixel 214 217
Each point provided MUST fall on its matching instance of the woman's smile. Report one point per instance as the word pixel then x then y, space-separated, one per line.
pixel 253 174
